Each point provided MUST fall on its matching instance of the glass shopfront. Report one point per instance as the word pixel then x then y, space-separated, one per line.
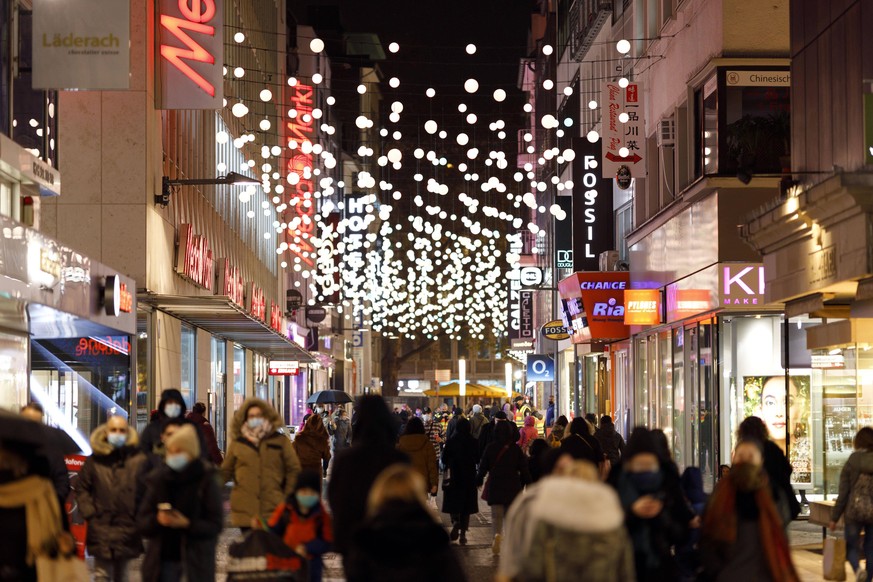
pixel 217 409
pixel 81 381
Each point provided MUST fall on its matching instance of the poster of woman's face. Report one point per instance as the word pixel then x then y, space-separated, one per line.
pixel 769 398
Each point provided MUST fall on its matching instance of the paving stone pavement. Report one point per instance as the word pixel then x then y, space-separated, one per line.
pixel 805 539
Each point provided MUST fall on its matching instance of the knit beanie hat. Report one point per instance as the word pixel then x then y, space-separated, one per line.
pixel 308 479
pixel 186 439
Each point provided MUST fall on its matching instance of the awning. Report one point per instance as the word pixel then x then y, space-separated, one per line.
pixel 221 317
pixel 480 390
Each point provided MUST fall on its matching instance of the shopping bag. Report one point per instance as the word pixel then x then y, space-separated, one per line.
pixel 262 555
pixel 834 558
pixel 66 568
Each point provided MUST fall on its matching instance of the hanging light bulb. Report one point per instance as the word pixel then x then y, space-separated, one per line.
pixel 316 45
pixel 623 46
pixel 239 109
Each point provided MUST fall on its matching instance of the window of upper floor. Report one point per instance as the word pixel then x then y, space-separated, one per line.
pixel 742 122
pixel 27 115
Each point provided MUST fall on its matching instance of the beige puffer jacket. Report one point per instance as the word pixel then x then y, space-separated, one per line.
pixel 263 475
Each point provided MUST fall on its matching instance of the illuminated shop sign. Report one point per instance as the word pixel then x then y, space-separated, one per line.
pixel 593 305
pixel 593 220
pixel 103 346
pixel 741 285
pixel 555 330
pixel 283 368
pixel 116 297
pixel 828 362
pixel 300 214
pixel 190 42
pixel 642 307
pixel 194 257
pixel 563 230
pixel 230 282
pixel 623 129
pixel 277 319
pixel 682 303
pixel 256 302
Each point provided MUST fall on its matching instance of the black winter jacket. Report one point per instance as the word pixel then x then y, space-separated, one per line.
pixel 195 492
pixel 106 496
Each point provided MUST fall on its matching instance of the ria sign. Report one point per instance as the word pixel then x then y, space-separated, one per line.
pixel 190 41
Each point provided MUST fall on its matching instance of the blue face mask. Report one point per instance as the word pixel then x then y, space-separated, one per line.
pixel 648 481
pixel 255 422
pixel 116 439
pixel 178 461
pixel 307 501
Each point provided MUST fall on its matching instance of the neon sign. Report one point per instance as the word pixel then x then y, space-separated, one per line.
pixel 256 303
pixel 190 39
pixel 102 346
pixel 230 282
pixel 277 318
pixel 300 130
pixel 126 299
pixel 194 257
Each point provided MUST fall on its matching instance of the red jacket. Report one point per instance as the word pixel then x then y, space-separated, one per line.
pixel 313 531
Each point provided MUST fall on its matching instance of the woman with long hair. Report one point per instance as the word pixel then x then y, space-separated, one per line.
pixel 742 536
pixel 416 444
pixel 505 465
pixel 856 480
pixel 312 445
pixel 460 498
pixel 401 539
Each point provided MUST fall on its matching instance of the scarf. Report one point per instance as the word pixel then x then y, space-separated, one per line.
pixel 256 435
pixel 720 519
pixel 41 509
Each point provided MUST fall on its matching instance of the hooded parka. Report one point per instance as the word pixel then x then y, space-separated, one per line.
pixel 422 455
pixel 263 474
pixel 106 496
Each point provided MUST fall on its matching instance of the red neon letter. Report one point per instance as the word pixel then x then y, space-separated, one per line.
pixel 196 52
pixel 198 11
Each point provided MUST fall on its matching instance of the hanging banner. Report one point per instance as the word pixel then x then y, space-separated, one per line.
pixel 190 54
pixel 593 221
pixel 563 230
pixel 81 44
pixel 623 127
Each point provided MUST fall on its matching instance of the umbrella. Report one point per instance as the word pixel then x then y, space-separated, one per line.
pixel 329 397
pixel 45 439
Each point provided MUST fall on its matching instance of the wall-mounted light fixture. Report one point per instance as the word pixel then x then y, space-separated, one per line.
pixel 168 185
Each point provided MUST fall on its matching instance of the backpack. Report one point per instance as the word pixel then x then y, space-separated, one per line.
pixel 860 507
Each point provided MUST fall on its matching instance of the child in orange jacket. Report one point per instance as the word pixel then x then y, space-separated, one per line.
pixel 303 524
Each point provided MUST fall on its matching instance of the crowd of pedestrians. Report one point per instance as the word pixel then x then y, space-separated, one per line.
pixel 567 501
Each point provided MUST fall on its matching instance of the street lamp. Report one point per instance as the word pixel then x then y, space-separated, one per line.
pixel 230 179
pixel 462 377
pixel 508 371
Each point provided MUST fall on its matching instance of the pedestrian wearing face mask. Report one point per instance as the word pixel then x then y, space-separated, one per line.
pixel 106 496
pixel 261 463
pixel 656 514
pixel 303 523
pixel 172 405
pixel 181 515
pixel 742 536
pixel 312 445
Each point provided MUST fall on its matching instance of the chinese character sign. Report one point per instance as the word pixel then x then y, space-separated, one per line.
pixel 623 129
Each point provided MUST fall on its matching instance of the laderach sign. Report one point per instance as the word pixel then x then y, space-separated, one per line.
pixel 593 304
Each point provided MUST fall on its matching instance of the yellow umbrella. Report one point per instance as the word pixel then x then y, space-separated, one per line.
pixel 454 389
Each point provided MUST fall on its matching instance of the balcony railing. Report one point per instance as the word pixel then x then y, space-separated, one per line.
pixel 587 17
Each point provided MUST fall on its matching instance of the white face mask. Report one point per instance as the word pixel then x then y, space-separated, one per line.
pixel 319 410
pixel 172 410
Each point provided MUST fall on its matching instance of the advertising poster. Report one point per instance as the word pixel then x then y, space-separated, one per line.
pixel 766 397
pixel 77 523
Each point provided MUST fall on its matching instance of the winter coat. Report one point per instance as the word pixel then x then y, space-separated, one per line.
pixel 528 433
pixel 859 462
pixel 418 448
pixel 194 492
pixel 342 436
pixel 779 472
pixel 477 421
pixel 653 539
pixel 106 496
pixel 313 531
pixel 313 450
pixel 507 476
pixel 611 442
pixel 486 435
pixel 593 548
pixel 403 542
pixel 434 430
pixel 264 474
pixel 207 435
pixel 583 447
pixel 459 457
pixel 150 439
pixel 354 471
